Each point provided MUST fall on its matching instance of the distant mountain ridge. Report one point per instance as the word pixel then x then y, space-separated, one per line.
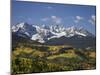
pixel 45 33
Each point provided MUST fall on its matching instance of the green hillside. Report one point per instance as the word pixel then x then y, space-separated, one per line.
pixel 45 58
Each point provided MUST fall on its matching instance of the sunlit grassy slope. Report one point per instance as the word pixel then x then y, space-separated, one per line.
pixel 65 55
pixel 45 58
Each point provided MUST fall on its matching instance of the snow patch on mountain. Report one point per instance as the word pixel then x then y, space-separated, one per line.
pixel 57 35
pixel 38 38
pixel 44 33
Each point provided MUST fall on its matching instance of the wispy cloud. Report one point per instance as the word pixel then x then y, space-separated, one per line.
pixel 92 20
pixel 53 19
pixel 56 19
pixel 78 19
pixel 45 19
pixel 93 17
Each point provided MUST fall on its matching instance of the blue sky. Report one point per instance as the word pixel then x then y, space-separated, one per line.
pixel 50 13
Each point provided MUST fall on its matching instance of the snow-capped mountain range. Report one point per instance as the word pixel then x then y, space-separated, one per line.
pixel 44 33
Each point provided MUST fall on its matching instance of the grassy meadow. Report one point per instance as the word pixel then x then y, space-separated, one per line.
pixel 45 58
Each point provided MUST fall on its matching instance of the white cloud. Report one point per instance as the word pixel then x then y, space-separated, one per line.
pixel 56 19
pixel 53 17
pixel 78 19
pixel 92 20
pixel 45 19
pixel 93 17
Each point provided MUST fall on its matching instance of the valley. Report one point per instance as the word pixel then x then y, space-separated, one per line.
pixel 42 58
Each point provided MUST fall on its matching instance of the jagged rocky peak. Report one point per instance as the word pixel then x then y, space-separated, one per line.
pixel 42 33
